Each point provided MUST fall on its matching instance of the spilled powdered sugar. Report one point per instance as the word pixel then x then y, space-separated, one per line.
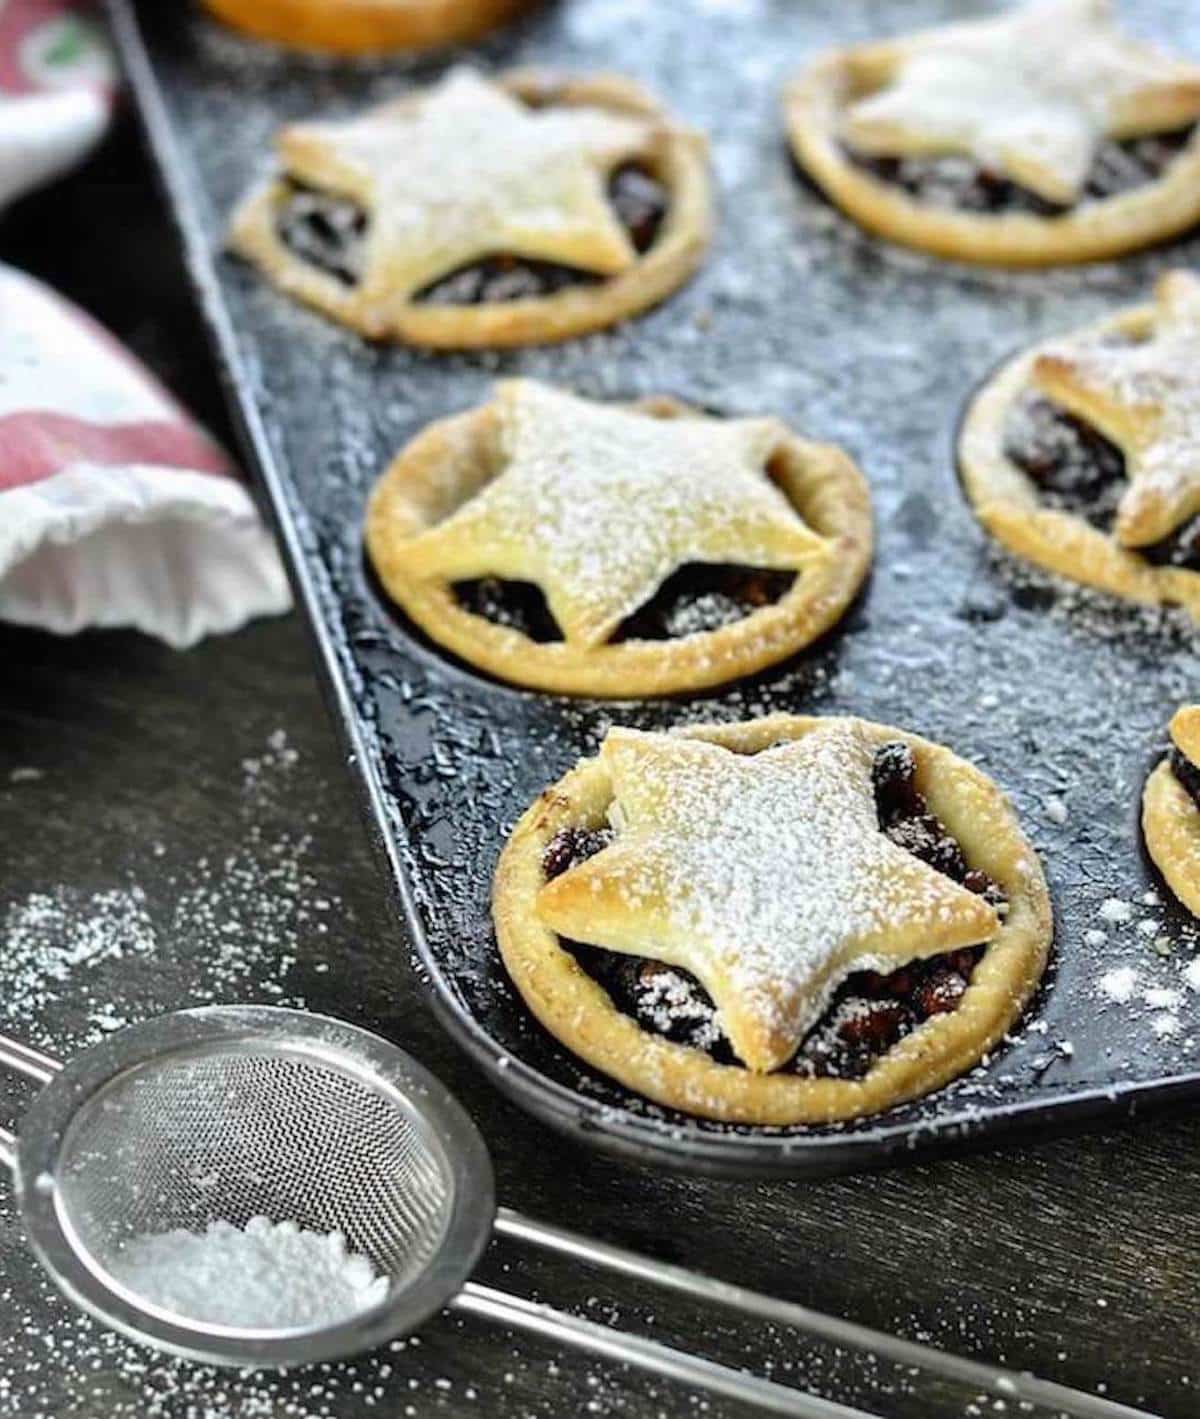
pixel 1114 910
pixel 1159 982
pixel 263 1276
pixel 1118 984
pixel 228 922
pixel 48 939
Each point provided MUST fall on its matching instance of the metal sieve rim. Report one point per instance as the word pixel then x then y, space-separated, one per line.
pixel 449 1131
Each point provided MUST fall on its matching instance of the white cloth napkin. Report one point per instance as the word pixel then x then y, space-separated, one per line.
pixel 56 90
pixel 116 509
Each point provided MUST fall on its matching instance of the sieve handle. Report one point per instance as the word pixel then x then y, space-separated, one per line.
pixel 34 1065
pixel 664 1360
pixel 1015 1387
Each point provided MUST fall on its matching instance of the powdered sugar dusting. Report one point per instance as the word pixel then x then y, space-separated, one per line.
pixel 1114 910
pixel 599 504
pixel 768 865
pixel 670 999
pixel 470 171
pixel 221 927
pixel 1155 386
pixel 868 346
pixel 1166 1026
pixel 1029 94
pixel 1163 997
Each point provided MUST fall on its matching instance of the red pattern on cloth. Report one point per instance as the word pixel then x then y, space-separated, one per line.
pixel 18 20
pixel 37 444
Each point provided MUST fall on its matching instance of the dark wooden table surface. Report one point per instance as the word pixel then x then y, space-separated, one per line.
pixel 177 828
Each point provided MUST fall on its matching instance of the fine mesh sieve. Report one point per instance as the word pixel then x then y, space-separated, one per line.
pixel 217 1135
pixel 232 1112
pixel 214 1135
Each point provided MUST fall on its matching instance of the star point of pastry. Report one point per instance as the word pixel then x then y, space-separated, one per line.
pixel 1031 94
pixel 1145 398
pixel 466 171
pixel 598 504
pixel 766 876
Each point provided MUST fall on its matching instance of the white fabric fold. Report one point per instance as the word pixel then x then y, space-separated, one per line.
pixel 176 554
pixel 43 134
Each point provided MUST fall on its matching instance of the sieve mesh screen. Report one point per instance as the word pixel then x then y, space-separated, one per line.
pixel 235 1132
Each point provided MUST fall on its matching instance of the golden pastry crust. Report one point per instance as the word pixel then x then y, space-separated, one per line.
pixel 813 106
pixel 1171 826
pixel 676 157
pixel 1009 504
pixel 1185 732
pixel 578 1012
pixel 365 26
pixel 1170 818
pixel 454 458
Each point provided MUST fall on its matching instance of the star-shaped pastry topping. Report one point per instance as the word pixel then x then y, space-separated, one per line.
pixel 469 171
pixel 1145 397
pixel 1031 95
pixel 598 504
pixel 765 875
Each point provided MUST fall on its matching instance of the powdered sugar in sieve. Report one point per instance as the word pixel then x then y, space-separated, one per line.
pixel 263 1276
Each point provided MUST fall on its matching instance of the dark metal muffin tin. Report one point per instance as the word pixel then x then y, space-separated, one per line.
pixel 1063 697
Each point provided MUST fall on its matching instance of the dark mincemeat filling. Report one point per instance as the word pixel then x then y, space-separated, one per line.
pixel 698 597
pixel 869 1013
pixel 329 232
pixel 640 202
pixel 326 231
pixel 514 605
pixel 960 184
pixel 1187 773
pixel 1077 470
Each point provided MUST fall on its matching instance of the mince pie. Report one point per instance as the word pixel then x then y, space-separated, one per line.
pixel 481 213
pixel 365 26
pixel 791 920
pixel 618 549
pixel 1042 136
pixel 1083 454
pixel 1171 810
